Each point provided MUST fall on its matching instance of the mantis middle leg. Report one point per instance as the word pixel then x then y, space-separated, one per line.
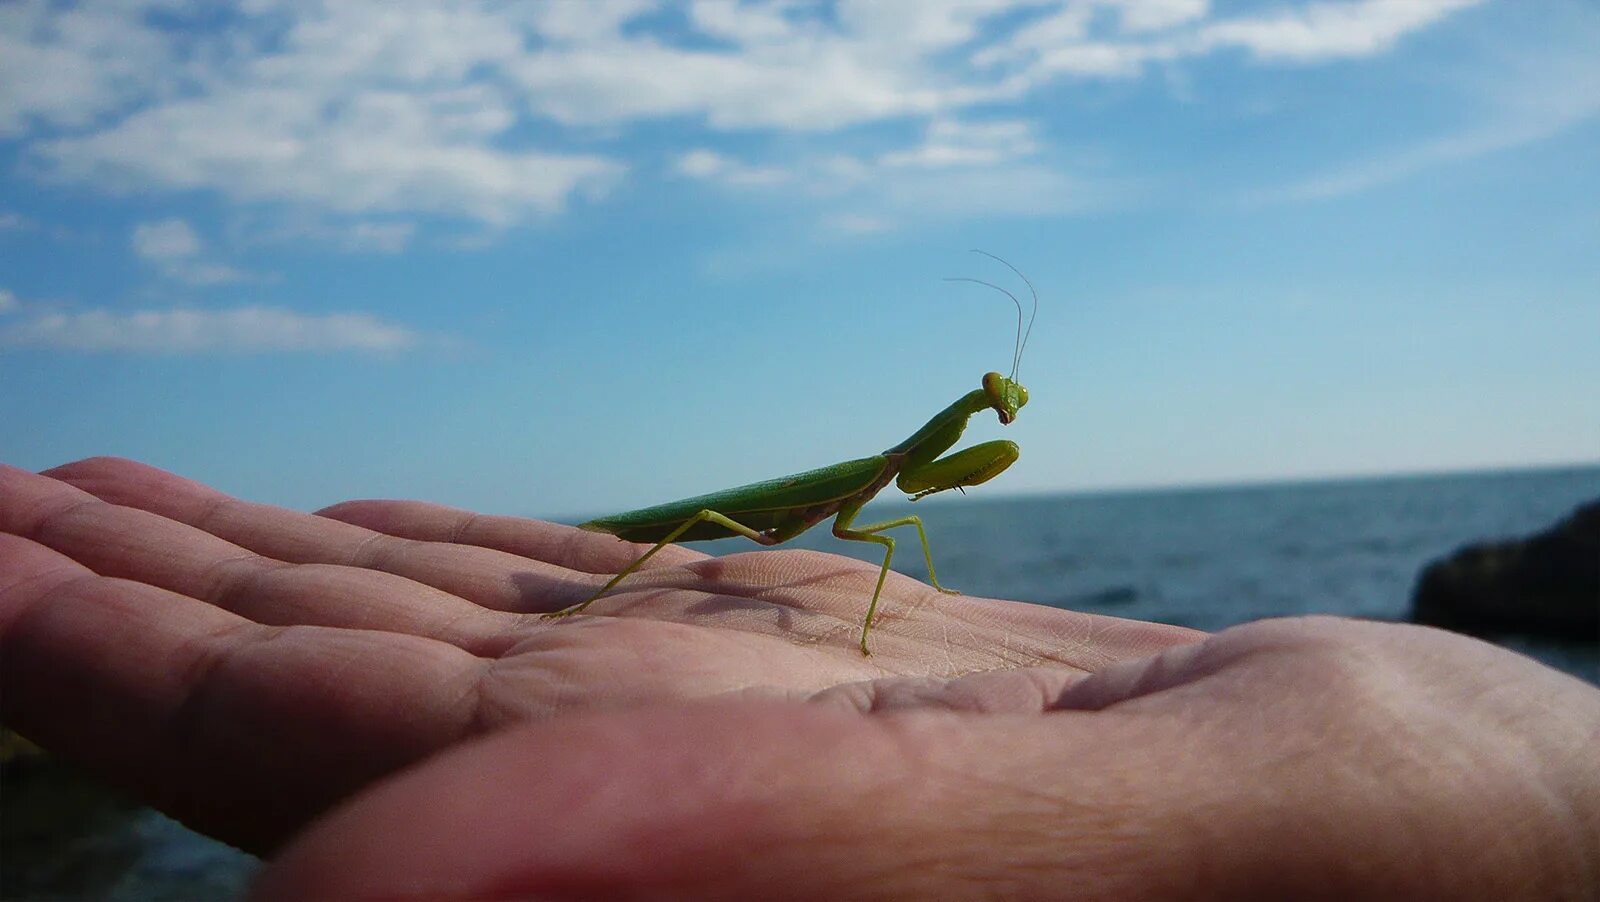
pixel 711 515
pixel 869 533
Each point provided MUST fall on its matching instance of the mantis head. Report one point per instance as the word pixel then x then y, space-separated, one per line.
pixel 1005 396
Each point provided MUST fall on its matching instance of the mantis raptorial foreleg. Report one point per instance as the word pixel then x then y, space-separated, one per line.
pixel 701 517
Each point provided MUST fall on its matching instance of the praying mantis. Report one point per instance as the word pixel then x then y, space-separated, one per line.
pixel 774 511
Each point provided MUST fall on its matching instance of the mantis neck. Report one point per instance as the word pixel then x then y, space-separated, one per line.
pixel 942 431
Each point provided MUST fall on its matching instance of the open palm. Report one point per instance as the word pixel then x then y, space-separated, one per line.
pixel 245 666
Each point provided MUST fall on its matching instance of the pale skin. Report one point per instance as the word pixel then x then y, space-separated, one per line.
pixel 248 669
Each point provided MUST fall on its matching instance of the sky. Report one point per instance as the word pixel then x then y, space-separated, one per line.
pixel 569 258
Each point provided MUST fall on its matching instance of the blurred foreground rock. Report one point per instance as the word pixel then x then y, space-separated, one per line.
pixel 1546 584
pixel 64 836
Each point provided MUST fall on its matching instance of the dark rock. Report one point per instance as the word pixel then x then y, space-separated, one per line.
pixel 1546 584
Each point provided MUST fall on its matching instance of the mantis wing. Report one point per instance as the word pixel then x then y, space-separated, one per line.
pixel 760 505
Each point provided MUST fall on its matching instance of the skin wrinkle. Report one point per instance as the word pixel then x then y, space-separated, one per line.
pixel 848 626
pixel 490 643
pixel 362 555
pixel 77 573
pixel 17 623
pixel 488 712
pixel 460 528
pixel 1043 686
pixel 478 720
pixel 659 588
pixel 228 590
pixel 184 722
pixel 1032 811
pixel 455 532
pixel 958 694
pixel 1520 763
pixel 211 507
pixel 217 589
pixel 51 519
pixel 1045 802
pixel 1373 692
pixel 214 507
pixel 1068 651
pixel 42 522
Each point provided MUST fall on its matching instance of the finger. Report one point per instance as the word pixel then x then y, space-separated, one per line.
pixel 241 730
pixel 585 551
pixel 494 579
pixel 133 544
pixel 290 535
pixel 766 801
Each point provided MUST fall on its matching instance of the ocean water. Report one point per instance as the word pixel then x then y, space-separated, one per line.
pixel 1210 558
pixel 1206 558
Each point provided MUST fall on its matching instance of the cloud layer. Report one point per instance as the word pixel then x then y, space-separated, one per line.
pixel 243 330
pixel 496 113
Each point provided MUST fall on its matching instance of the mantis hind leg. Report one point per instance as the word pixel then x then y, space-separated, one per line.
pixel 869 533
pixel 701 517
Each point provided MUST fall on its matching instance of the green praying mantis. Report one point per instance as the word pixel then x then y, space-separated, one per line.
pixel 774 511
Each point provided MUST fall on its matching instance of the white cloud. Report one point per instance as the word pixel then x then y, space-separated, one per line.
pixel 367 236
pixel 169 239
pixel 244 330
pixel 379 237
pixel 1326 30
pixel 946 143
pixel 64 67
pixel 16 222
pixel 739 22
pixel 378 151
pixel 1064 43
pixel 173 247
pixel 863 196
pixel 201 274
pixel 951 142
pixel 808 86
pixel 1155 15
pixel 1099 59
pixel 8 301
pixel 708 164
pixel 975 167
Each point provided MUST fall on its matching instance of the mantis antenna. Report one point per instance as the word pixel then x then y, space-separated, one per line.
pixel 1022 336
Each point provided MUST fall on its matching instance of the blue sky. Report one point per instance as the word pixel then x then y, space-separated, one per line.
pixel 567 258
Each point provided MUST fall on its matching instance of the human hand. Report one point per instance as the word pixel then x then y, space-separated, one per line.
pixel 243 667
pixel 1288 759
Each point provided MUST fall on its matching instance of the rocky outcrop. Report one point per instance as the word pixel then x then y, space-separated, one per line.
pixel 1547 584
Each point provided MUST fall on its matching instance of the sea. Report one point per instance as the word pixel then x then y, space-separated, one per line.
pixel 1210 558
pixel 1207 558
